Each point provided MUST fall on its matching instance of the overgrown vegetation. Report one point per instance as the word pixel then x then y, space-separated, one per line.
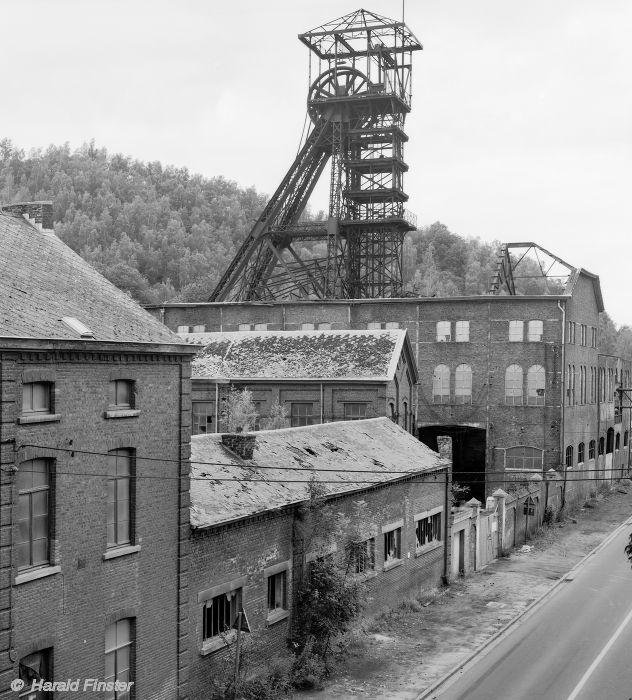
pixel 239 413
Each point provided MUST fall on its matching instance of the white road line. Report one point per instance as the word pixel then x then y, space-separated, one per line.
pixel 578 688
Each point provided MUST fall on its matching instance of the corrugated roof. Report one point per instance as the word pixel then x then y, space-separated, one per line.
pixel 326 354
pixel 376 444
pixel 42 280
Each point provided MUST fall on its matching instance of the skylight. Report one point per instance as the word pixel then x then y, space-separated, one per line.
pixel 75 325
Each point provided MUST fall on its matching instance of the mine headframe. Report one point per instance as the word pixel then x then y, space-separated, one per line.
pixel 357 106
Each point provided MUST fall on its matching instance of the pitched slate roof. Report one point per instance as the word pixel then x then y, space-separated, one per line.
pixel 225 488
pixel 42 280
pixel 340 354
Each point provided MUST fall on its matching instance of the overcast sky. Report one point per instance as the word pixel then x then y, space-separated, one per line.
pixel 521 127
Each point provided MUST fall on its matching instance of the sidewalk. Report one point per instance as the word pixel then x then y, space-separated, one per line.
pixel 401 653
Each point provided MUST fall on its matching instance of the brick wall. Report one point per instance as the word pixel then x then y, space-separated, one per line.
pixel 70 610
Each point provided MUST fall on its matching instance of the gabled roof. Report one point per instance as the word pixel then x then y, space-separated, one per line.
pixel 290 355
pixel 42 281
pixel 225 488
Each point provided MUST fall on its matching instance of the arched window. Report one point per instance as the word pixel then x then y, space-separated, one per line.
pixel 573 381
pixel 441 384
pixel 591 449
pixel 513 385
pixel 580 453
pixel 536 379
pixel 463 384
pixel 617 442
pixel 393 414
pixel 602 444
pixel 405 416
pixel 609 440
pixel 569 456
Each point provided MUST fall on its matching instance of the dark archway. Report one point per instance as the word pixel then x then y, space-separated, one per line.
pixel 468 455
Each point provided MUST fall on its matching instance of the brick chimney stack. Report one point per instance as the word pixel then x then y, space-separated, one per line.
pixel 242 444
pixel 39 214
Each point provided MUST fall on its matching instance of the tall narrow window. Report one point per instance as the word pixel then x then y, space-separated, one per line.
pixel 462 331
pixel 36 397
pixel 277 592
pixel 580 453
pixel 569 456
pixel 463 384
pixel 33 517
pixel 573 385
pixel 301 414
pixel 617 441
pixel 119 644
pixel 535 331
pixel 362 555
pixel 392 545
pixel 122 393
pixel 602 444
pixel 513 385
pixel 444 333
pixel 120 473
pixel 536 381
pixel 203 417
pixel 441 384
pixel 591 450
pixel 516 331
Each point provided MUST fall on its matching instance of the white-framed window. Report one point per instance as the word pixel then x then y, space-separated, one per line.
pixel 462 331
pixel 428 528
pixel 392 543
pixel 307 326
pixel 463 384
pixel 444 331
pixel 261 326
pixel 324 326
pixel 355 410
pixel 203 417
pixel 37 397
pixel 183 329
pixel 513 385
pixel 200 328
pixel 441 384
pixel 374 326
pixel 516 331
pixel 536 383
pixel 244 327
pixel 391 325
pixel 34 513
pixel 523 457
pixel 119 644
pixel 535 331
pixel 120 486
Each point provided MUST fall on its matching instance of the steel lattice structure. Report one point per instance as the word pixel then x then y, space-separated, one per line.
pixel 357 106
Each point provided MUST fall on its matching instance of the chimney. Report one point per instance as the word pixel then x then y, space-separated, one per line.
pixel 38 214
pixel 242 444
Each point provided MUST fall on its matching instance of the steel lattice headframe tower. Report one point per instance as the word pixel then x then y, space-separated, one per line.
pixel 357 106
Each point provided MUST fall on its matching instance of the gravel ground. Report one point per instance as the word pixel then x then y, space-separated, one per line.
pixel 400 653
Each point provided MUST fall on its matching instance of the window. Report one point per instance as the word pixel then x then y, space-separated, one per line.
pixel 34 667
pixel 122 393
pixel 444 333
pixel 391 325
pixel 523 457
pixel 307 326
pixel 535 331
pixel 363 556
pixel 536 378
pixel 120 493
pixel 36 397
pixel 513 385
pixel 324 326
pixel 428 529
pixel 203 417
pixel 301 414
pixel 571 332
pixel 355 411
pixel 374 326
pixel 34 511
pixel 182 329
pixel 462 332
pixel 405 408
pixel 591 450
pixel 617 442
pixel 277 592
pixel 516 331
pixel 582 334
pixel 199 329
pixel 220 612
pixel 602 443
pixel 118 657
pixel 441 384
pixel 580 453
pixel 569 456
pixel 261 326
pixel 626 437
pixel 393 545
pixel 463 384
pixel 244 327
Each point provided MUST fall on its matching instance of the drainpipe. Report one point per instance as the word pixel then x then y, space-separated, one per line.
pixel 216 407
pixel 446 528
pixel 322 407
pixel 563 382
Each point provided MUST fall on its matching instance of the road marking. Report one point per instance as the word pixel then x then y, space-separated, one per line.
pixel 578 688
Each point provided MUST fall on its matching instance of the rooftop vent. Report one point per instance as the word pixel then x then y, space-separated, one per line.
pixel 75 325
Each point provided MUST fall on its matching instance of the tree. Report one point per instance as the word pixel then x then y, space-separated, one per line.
pixel 277 418
pixel 239 413
pixel 628 550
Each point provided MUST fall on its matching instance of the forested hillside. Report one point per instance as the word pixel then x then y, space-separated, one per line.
pixel 161 233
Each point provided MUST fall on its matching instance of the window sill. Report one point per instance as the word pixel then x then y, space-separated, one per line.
pixel 39 418
pixel 392 564
pixel 216 643
pixel 122 413
pixel 428 548
pixel 116 552
pixel 34 574
pixel 277 616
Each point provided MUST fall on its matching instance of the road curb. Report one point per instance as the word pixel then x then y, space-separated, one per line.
pixel 427 694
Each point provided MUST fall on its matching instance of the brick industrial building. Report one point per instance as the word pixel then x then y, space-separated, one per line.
pixel 316 376
pixel 94 445
pixel 250 546
pixel 516 380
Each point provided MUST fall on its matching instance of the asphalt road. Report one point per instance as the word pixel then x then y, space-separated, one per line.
pixel 576 646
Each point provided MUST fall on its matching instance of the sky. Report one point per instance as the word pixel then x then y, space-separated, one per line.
pixel 520 129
